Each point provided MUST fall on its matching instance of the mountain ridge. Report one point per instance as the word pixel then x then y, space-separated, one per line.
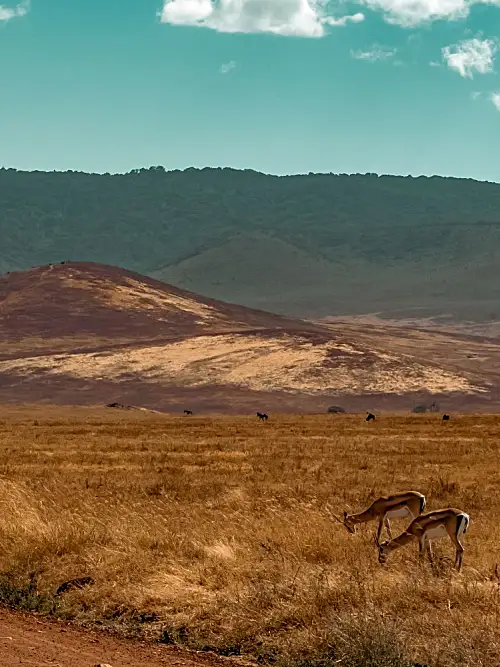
pixel 386 244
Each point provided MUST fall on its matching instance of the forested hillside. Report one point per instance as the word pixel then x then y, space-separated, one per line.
pixel 310 245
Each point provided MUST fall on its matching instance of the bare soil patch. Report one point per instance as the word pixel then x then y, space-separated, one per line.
pixel 30 640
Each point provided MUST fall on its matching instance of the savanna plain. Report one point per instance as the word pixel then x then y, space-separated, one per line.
pixel 211 532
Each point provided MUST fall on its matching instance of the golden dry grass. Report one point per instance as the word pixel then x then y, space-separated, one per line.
pixel 260 363
pixel 209 531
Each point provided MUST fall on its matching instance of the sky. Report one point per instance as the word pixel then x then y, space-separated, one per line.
pixel 280 86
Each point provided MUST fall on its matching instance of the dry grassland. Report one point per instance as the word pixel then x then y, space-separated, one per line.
pixel 209 532
pixel 281 362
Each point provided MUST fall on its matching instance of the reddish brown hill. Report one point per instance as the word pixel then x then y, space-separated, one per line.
pixel 75 305
pixel 87 333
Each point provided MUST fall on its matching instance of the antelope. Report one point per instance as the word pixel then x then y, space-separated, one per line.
pixel 408 504
pixel 427 527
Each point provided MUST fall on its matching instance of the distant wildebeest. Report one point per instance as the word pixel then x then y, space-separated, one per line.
pixel 188 412
pixel 370 417
pixel 446 418
pixel 262 415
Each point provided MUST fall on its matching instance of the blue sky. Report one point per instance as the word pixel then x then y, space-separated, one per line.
pixel 282 86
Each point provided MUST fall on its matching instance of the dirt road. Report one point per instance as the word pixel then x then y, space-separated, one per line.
pixel 28 640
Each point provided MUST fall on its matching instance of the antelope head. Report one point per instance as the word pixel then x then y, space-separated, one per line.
pixel 346 521
pixel 349 524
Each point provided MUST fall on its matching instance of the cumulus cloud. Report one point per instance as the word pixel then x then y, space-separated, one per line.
pixel 409 13
pixel 495 98
pixel 9 13
pixel 225 68
pixel 377 52
pixel 294 18
pixel 470 56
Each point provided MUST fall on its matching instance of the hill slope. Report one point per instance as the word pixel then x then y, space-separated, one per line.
pixel 86 333
pixel 358 244
pixel 64 306
pixel 282 271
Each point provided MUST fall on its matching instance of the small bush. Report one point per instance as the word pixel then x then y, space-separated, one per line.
pixel 24 595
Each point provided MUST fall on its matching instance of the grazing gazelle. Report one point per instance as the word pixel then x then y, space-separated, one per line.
pixel 431 526
pixel 398 506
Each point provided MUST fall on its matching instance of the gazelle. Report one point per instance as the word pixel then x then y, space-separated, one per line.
pixel 408 504
pixel 431 526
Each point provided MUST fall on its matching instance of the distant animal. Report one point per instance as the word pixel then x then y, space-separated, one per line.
pixel 431 526
pixel 262 416
pixel 336 410
pixel 117 405
pixel 370 417
pixel 188 412
pixel 397 506
pixel 446 418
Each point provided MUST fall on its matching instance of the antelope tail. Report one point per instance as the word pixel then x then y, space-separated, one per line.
pixel 422 504
pixel 463 523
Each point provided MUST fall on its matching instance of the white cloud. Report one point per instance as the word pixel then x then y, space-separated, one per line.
pixel 409 13
pixel 471 55
pixel 225 68
pixel 377 52
pixel 296 18
pixel 9 13
pixel 475 95
pixel 495 98
pixel 343 20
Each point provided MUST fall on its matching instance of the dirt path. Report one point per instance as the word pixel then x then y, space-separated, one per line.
pixel 28 640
